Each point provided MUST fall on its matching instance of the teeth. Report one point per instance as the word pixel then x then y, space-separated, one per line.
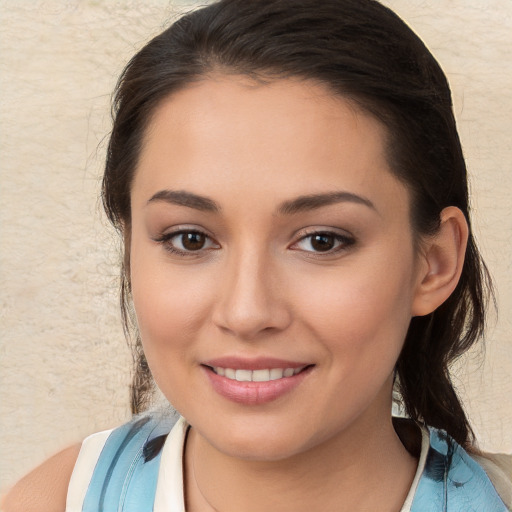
pixel 276 373
pixel 257 375
pixel 260 375
pixel 243 375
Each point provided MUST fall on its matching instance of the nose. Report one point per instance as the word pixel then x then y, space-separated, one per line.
pixel 251 303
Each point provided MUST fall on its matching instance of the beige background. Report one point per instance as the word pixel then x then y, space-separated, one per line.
pixel 64 363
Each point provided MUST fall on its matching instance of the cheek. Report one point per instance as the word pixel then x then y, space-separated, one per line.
pixel 362 315
pixel 170 314
pixel 170 306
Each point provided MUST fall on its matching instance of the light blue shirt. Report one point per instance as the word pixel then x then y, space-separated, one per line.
pixel 126 473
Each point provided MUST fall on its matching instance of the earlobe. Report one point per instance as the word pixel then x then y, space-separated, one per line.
pixel 443 259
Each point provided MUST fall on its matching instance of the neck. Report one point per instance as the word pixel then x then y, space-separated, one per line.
pixel 336 475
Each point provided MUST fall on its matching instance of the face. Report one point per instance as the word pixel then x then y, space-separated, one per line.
pixel 272 264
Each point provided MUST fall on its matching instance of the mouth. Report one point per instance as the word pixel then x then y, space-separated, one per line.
pixel 257 382
pixel 260 375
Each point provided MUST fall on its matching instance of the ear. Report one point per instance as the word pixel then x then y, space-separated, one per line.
pixel 441 261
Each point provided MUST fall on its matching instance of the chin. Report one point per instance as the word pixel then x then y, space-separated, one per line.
pixel 257 439
pixel 270 450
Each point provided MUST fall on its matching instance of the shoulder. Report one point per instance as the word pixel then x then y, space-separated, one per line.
pixel 66 476
pixel 45 488
pixel 454 479
pixel 120 466
pixel 498 467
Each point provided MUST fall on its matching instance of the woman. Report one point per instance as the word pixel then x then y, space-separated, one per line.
pixel 290 186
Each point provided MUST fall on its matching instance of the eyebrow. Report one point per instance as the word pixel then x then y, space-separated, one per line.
pixel 183 198
pixel 315 201
pixel 297 205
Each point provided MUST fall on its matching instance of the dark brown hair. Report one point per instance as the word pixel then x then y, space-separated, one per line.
pixel 362 51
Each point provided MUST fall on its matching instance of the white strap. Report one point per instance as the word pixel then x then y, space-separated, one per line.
pixel 169 490
pixel 425 445
pixel 84 467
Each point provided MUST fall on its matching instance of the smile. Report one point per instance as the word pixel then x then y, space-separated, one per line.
pixel 257 385
pixel 262 375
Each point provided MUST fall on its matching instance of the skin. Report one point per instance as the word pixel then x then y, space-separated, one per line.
pixel 258 287
pixel 44 489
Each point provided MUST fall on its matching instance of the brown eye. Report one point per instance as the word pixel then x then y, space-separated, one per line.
pixel 193 241
pixel 323 242
pixel 187 242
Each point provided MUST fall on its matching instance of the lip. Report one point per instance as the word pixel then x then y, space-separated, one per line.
pixel 260 363
pixel 254 393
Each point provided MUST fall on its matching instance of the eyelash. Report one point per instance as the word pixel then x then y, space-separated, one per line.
pixel 344 242
pixel 165 240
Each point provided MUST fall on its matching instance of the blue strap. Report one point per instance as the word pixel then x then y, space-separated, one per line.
pixel 453 482
pixel 126 474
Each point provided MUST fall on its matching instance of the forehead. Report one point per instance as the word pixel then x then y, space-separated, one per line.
pixel 228 135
